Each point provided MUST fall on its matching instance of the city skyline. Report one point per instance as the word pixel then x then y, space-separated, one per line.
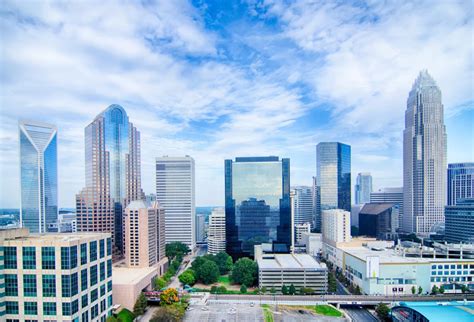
pixel 196 84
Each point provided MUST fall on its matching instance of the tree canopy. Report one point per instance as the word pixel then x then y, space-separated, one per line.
pixel 187 277
pixel 244 272
pixel 176 249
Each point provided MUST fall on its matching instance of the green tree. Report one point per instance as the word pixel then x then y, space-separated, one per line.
pixel 208 272
pixel 383 311
pixel 112 319
pixel 221 289
pixel 264 289
pixel 244 272
pixel 273 290
pixel 464 288
pixel 187 277
pixel 224 262
pixel 197 263
pixel 332 284
pixel 175 265
pixel 413 290
pixel 176 248
pixel 292 290
pixel 434 290
pixel 169 313
pixel 158 283
pixel 214 289
pixel 441 289
pixel 420 290
pixel 140 305
pixel 243 289
pixel 284 290
pixel 357 290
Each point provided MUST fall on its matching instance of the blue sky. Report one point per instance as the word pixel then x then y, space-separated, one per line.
pixel 220 79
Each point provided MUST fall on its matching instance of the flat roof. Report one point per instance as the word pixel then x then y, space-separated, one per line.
pixel 289 261
pixel 57 237
pixel 131 276
pixel 445 311
pixel 390 256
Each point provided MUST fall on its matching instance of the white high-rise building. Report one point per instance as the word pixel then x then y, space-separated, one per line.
pixel 303 205
pixel 336 226
pixel 175 191
pixel 300 229
pixel 38 175
pixel 363 188
pixel 216 232
pixel 424 157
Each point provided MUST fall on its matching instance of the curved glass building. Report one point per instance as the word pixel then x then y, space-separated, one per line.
pixel 113 175
pixel 38 175
pixel 257 204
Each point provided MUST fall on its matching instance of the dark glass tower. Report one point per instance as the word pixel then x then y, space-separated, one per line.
pixel 333 167
pixel 257 204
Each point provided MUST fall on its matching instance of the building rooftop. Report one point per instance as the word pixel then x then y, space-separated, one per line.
pixel 52 237
pixel 391 256
pixel 375 208
pixel 131 276
pixel 446 311
pixel 289 261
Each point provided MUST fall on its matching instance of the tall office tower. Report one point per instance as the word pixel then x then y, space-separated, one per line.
pixel 390 195
pixel 336 226
pixel 113 177
pixel 460 221
pixel 316 206
pixel 257 204
pixel 303 205
pixel 200 228
pixel 55 277
pixel 333 167
pixel 144 245
pixel 424 157
pixel 460 182
pixel 38 175
pixel 175 192
pixel 216 232
pixel 363 188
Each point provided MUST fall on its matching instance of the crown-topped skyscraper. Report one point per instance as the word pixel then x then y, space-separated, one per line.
pixel 113 175
pixel 424 157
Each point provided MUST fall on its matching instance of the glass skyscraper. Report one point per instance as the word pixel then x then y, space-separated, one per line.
pixel 363 188
pixel 113 175
pixel 424 157
pixel 460 182
pixel 257 204
pixel 38 175
pixel 333 170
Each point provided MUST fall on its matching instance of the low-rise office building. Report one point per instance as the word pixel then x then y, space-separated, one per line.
pixel 300 270
pixel 55 277
pixel 379 220
pixel 392 271
pixel 300 229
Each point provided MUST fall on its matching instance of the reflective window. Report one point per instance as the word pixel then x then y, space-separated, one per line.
pixel 11 307
pixel 49 308
pixel 83 254
pixel 31 308
pixel 29 285
pixel 48 258
pixel 49 285
pixel 11 284
pixel 10 258
pixel 29 258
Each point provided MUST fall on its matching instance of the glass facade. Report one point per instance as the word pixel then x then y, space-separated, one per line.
pixel 10 257
pixel 49 308
pixel 363 188
pixel 460 182
pixel 257 202
pixel 49 285
pixel 48 258
pixel 38 175
pixel 29 285
pixel 333 169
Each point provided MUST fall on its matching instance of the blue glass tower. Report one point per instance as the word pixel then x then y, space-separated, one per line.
pixel 257 204
pixel 38 175
pixel 333 169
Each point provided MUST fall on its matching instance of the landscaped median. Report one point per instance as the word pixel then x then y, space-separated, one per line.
pixel 323 309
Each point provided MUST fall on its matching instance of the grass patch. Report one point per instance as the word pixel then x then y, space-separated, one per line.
pixel 224 280
pixel 327 310
pixel 267 314
pixel 125 316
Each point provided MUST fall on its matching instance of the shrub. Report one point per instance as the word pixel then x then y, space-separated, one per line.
pixel 243 289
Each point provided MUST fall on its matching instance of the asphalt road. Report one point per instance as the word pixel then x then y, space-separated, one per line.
pixel 359 314
pixel 340 290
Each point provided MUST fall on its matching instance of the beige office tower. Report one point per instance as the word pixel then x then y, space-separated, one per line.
pixel 113 178
pixel 144 234
pixel 216 232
